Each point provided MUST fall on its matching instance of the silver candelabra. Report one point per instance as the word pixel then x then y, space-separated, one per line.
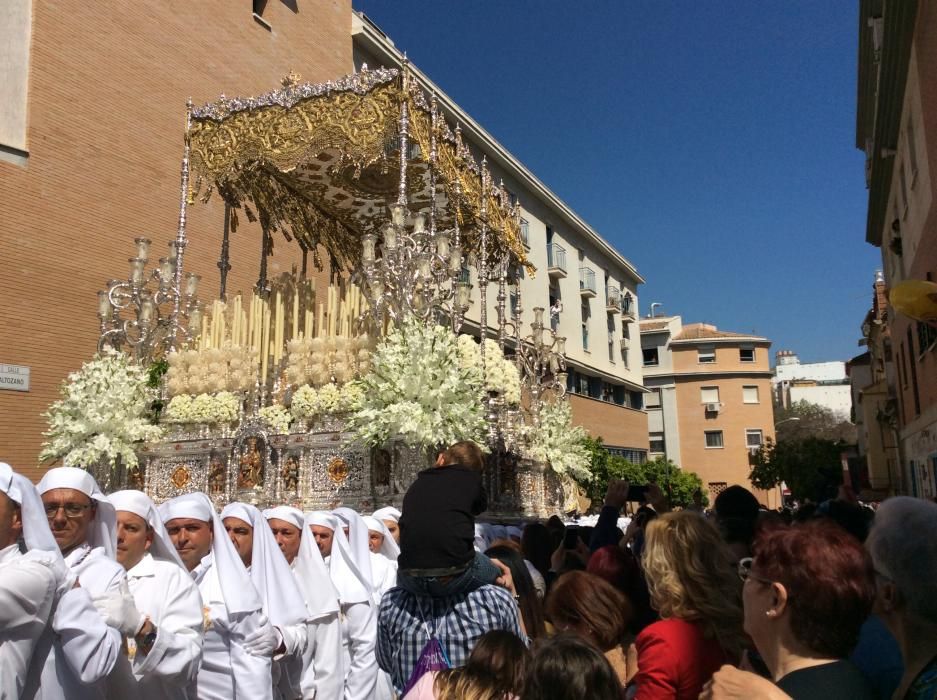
pixel 541 359
pixel 136 314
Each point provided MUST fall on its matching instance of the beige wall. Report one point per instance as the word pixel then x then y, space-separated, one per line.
pixel 107 92
pixel 686 358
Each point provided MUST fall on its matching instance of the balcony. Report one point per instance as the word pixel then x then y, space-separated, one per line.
pixel 612 299
pixel 587 288
pixel 627 307
pixel 556 261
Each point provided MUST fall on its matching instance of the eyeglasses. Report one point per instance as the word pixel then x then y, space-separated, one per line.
pixel 745 571
pixel 72 510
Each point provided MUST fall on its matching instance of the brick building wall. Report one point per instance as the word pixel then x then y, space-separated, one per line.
pixel 107 89
pixel 618 426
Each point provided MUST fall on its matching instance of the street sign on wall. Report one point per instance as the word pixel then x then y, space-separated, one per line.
pixel 14 377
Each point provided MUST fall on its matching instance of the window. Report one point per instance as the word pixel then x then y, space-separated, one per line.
pixel 656 441
pixel 650 357
pixel 926 335
pixel 746 354
pixel 709 394
pixel 714 439
pixel 583 382
pixel 652 400
pixel 749 394
pixel 525 232
pixel 754 438
pixel 706 354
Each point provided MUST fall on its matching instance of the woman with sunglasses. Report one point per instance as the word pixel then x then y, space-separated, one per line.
pixel 807 592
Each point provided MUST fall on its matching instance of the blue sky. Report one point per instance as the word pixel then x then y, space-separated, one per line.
pixel 711 142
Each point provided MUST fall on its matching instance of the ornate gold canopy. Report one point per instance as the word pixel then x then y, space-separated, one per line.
pixel 319 163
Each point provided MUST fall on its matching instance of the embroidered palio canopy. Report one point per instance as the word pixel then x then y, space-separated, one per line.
pixel 320 164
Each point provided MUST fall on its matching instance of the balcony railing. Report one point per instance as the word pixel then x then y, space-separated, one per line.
pixel 556 260
pixel 612 299
pixel 587 282
pixel 627 306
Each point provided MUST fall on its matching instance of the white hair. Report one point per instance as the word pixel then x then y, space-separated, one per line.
pixel 903 545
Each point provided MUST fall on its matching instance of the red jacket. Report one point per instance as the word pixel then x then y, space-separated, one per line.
pixel 675 660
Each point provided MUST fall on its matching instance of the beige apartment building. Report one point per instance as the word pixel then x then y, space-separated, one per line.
pixel 92 112
pixel 709 404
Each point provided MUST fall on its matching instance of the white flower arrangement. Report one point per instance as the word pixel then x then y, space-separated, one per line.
pixel 419 391
pixel 277 417
pixel 222 407
pixel 102 414
pixel 501 374
pixel 308 401
pixel 558 442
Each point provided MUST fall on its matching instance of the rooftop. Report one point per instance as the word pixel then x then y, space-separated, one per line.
pixel 705 331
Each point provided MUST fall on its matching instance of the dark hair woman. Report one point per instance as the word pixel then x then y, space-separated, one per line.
pixel 807 592
pixel 589 607
pixel 566 667
pixel 527 599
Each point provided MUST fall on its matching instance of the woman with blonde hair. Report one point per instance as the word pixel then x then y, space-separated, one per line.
pixel 697 592
pixel 495 670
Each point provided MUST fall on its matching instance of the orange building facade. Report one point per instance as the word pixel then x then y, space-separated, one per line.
pixel 709 404
pixel 92 112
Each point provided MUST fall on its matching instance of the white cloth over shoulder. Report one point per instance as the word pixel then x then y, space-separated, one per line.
pixel 351 584
pixel 240 596
pixel 103 532
pixel 270 572
pixel 389 548
pixel 139 504
pixel 232 610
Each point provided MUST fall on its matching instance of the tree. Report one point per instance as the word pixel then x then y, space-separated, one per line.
pixel 679 485
pixel 803 419
pixel 811 467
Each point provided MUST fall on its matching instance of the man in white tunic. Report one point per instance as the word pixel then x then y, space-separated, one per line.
pixel 323 673
pixel 29 583
pixel 353 585
pixel 384 553
pixel 282 601
pixel 390 516
pixel 168 648
pixel 239 640
pixel 85 657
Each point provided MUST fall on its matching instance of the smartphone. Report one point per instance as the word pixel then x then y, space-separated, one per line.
pixel 637 493
pixel 571 539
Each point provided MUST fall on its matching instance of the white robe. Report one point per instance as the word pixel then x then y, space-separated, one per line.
pixel 383 576
pixel 359 637
pixel 170 598
pixel 27 593
pixel 323 671
pixel 228 672
pixel 85 651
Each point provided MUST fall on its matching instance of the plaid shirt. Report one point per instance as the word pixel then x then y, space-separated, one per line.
pixel 405 622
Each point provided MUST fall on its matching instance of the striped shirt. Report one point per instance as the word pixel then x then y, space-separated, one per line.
pixel 406 622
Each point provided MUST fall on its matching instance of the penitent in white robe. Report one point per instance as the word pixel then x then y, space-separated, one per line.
pixel 359 637
pixel 165 593
pixel 85 651
pixel 228 672
pixel 27 593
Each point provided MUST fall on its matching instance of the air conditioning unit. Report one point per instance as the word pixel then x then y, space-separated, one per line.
pixel 712 407
pixel 625 343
